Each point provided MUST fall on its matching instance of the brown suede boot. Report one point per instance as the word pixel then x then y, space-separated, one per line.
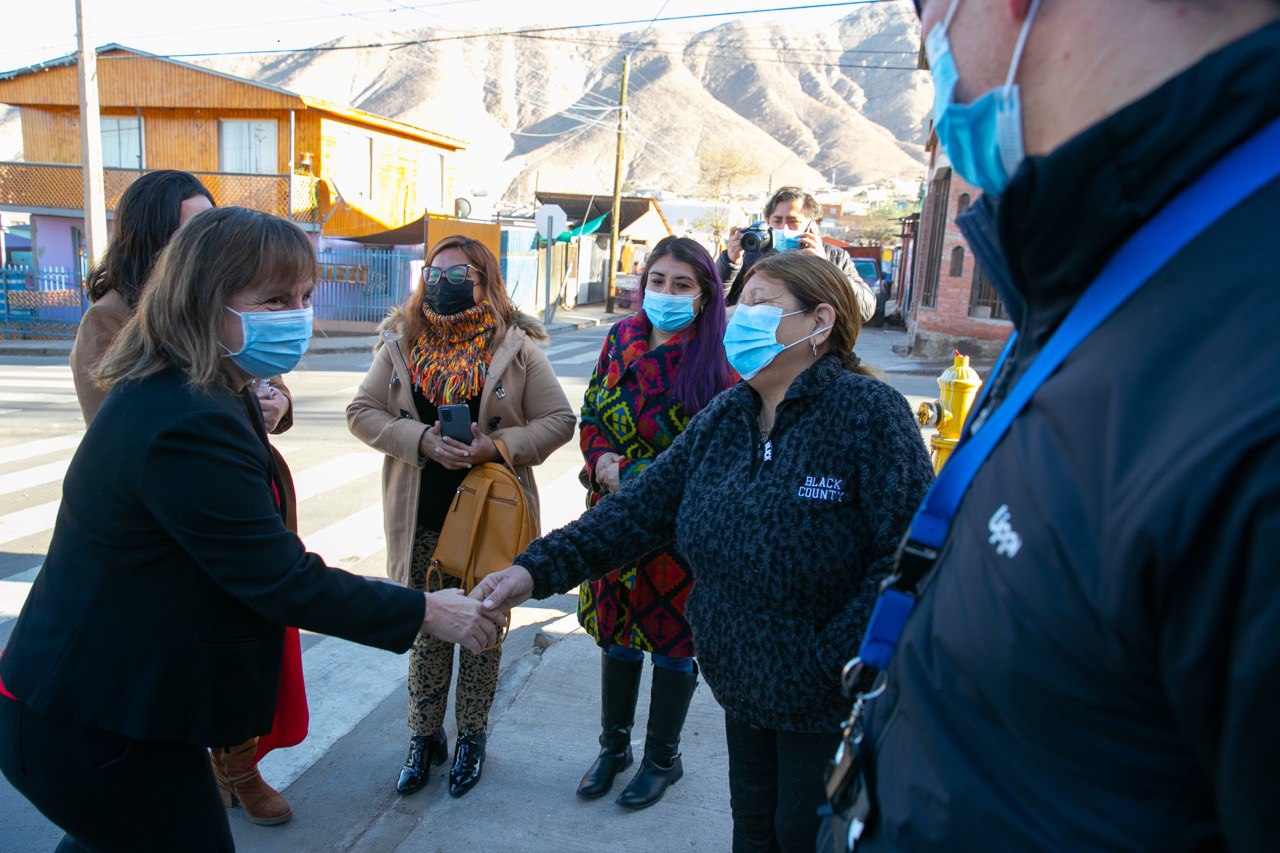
pixel 239 782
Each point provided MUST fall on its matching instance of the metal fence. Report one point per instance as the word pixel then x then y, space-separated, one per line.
pixel 519 264
pixel 39 304
pixel 61 187
pixel 355 286
pixel 363 285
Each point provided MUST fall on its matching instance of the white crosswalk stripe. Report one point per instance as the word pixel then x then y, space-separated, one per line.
pixel 49 370
pixel 350 540
pixel 59 384
pixel 32 477
pixel 33 397
pixel 574 353
pixel 41 447
pixel 28 522
pixel 330 475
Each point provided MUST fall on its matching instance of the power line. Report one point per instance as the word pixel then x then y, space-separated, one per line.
pixel 697 52
pixel 528 30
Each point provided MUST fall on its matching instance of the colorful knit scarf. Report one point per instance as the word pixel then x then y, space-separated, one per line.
pixel 449 361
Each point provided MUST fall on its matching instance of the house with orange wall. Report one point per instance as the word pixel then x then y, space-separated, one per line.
pixel 335 171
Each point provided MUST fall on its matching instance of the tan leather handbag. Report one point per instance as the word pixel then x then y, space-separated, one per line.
pixel 489 523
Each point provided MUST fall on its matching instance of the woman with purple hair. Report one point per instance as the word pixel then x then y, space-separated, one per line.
pixel 658 369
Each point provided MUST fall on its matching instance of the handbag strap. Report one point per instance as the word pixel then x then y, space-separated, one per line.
pixel 503 453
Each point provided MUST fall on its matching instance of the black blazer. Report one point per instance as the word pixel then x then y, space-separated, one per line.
pixel 158 612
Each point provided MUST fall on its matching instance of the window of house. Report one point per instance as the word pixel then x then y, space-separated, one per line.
pixel 248 146
pixel 122 142
pixel 957 262
pixel 431 180
pixel 984 302
pixel 350 164
pixel 963 203
pixel 935 219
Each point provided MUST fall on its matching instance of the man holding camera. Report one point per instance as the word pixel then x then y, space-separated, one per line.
pixel 791 224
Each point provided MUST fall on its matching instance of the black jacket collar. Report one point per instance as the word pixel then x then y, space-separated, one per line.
pixel 813 381
pixel 1065 214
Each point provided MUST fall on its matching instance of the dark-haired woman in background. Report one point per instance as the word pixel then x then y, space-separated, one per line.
pixel 657 370
pixel 154 206
pixel 150 212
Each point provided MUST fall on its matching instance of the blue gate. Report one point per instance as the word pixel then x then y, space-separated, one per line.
pixel 39 304
pixel 363 285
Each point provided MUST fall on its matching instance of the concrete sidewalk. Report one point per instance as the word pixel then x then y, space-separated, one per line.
pixel 542 738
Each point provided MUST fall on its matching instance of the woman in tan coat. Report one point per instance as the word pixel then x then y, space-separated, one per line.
pixel 457 340
pixel 150 212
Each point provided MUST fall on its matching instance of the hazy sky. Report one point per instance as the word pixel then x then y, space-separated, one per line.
pixel 35 30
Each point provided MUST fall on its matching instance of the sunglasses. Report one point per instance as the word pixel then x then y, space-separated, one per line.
pixel 456 274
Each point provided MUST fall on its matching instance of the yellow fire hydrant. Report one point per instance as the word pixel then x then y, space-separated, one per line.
pixel 958 386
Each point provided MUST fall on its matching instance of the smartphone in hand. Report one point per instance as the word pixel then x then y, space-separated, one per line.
pixel 455 422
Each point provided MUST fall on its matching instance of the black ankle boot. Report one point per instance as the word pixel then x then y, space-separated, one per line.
pixel 619 688
pixel 661 767
pixel 468 761
pixel 424 752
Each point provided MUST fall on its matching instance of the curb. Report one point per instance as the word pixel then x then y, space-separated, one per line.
pixel 44 349
pixel 574 325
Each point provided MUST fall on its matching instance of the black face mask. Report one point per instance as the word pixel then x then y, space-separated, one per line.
pixel 447 298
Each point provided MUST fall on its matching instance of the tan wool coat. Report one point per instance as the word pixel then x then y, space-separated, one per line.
pixel 520 390
pixel 99 327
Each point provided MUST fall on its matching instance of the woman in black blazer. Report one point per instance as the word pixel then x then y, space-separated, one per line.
pixel 155 628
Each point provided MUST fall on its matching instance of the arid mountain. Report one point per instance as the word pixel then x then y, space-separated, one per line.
pixel 788 105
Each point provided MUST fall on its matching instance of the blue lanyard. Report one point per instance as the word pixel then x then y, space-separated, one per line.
pixel 1234 178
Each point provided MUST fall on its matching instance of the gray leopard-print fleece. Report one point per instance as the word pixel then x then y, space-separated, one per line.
pixel 788 539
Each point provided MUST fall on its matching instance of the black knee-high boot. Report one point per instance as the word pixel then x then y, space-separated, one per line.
pixel 619 689
pixel 668 706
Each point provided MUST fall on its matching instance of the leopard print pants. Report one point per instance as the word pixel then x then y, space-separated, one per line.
pixel 431 663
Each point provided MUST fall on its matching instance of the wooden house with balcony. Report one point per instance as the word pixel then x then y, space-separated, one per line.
pixel 336 171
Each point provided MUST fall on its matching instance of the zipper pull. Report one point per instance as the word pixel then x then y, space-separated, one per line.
pixel 768 450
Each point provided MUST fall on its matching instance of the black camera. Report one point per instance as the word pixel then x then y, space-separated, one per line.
pixel 758 238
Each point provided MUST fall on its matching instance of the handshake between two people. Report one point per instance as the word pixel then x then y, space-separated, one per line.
pixel 474 621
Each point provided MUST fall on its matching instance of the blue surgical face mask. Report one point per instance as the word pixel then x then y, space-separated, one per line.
pixel 274 341
pixel 983 139
pixel 751 338
pixel 669 312
pixel 786 240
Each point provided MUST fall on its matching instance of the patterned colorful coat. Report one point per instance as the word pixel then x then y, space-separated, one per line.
pixel 630 409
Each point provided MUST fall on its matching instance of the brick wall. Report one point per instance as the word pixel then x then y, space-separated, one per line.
pixel 936 331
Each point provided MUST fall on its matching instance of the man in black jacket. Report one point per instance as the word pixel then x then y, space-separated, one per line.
pixel 1093 662
pixel 791 209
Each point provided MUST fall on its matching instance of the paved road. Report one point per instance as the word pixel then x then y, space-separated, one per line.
pixel 343 773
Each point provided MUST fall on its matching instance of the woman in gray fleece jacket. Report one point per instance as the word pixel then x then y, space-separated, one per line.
pixel 788 495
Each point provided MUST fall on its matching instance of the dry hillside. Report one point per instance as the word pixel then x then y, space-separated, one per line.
pixel 795 104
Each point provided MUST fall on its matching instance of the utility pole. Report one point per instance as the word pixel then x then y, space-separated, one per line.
pixel 612 281
pixel 95 205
